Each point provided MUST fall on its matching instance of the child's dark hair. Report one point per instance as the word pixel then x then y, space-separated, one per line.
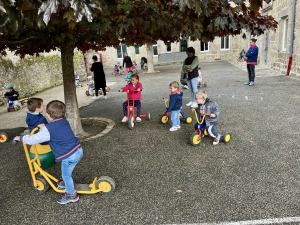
pixel 34 103
pixel 56 109
pixel 135 76
pixel 95 58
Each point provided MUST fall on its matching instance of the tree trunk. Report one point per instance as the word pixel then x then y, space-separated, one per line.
pixel 67 62
pixel 150 58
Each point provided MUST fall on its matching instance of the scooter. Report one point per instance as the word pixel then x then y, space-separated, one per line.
pixel 165 118
pixel 105 185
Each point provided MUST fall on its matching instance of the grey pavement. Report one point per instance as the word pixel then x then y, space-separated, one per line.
pixel 162 179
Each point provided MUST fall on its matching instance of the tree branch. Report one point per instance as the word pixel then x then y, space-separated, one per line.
pixel 17 42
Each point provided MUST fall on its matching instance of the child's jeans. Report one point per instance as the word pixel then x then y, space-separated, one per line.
pixel 138 105
pixel 175 118
pixel 67 167
pixel 211 130
pixel 15 102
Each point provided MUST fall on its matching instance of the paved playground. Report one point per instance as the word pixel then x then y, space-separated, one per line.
pixel 162 179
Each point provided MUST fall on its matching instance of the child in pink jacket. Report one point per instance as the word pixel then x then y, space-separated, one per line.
pixel 133 89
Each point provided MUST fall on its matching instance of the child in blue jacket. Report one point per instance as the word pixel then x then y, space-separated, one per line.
pixel 64 144
pixel 175 105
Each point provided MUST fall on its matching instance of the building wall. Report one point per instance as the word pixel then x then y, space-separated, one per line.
pixel 278 53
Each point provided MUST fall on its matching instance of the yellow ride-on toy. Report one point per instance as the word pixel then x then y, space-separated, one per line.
pixel 3 137
pixel 195 137
pixel 104 184
pixel 165 117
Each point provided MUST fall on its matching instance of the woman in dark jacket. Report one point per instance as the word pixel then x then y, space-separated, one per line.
pixel 190 71
pixel 128 63
pixel 99 77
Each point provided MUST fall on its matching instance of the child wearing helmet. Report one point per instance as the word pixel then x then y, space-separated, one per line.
pixel 12 97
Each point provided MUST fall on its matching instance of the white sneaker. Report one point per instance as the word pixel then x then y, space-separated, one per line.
pixel 194 105
pixel 216 140
pixel 105 97
pixel 95 97
pixel 178 127
pixel 125 119
pixel 173 129
pixel 189 104
pixel 138 119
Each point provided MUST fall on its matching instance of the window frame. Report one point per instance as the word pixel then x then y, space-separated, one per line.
pixel 123 50
pixel 180 45
pixel 168 43
pixel 224 47
pixel 155 45
pixel 205 43
pixel 284 33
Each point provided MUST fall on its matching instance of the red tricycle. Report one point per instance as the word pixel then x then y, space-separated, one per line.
pixel 3 137
pixel 131 114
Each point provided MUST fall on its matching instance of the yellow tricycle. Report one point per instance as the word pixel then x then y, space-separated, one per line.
pixel 200 131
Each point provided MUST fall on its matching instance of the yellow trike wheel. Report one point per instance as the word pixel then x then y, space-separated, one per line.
pixel 3 137
pixel 189 120
pixel 195 139
pixel 106 185
pixel 41 187
pixel 227 138
pixel 164 119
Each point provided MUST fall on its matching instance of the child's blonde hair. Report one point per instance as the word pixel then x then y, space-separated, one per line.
pixel 201 94
pixel 174 84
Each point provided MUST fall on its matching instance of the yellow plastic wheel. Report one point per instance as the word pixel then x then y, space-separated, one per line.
pixel 189 120
pixel 195 139
pixel 42 185
pixel 164 119
pixel 227 138
pixel 179 115
pixel 3 137
pixel 205 132
pixel 106 185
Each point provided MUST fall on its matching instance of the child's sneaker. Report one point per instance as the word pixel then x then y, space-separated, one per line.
pixel 178 127
pixel 95 97
pixel 105 97
pixel 173 129
pixel 216 140
pixel 138 119
pixel 125 119
pixel 66 198
pixel 61 184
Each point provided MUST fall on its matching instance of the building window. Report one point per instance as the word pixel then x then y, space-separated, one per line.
pixel 183 45
pixel 284 33
pixel 169 47
pixel 121 50
pixel 137 49
pixel 203 46
pixel 154 49
pixel 225 43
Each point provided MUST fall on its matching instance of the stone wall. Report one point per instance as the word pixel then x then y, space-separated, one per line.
pixel 35 74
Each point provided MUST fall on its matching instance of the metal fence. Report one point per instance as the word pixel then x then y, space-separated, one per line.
pixel 171 57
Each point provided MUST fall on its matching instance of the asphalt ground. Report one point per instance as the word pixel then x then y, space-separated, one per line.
pixel 160 178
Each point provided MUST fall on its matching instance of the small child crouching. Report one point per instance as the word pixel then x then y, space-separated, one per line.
pixel 12 97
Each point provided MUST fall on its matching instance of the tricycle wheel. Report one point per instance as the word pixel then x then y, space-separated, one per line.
pixel 149 116
pixel 3 137
pixel 164 119
pixel 189 120
pixel 106 185
pixel 42 185
pixel 205 132
pixel 226 138
pixel 131 122
pixel 195 138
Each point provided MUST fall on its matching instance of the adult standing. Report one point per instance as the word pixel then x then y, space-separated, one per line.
pixel 99 78
pixel 190 71
pixel 251 61
pixel 127 62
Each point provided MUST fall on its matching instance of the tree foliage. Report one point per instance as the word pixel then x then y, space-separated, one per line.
pixel 34 26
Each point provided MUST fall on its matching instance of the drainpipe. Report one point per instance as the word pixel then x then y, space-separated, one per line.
pixel 292 38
